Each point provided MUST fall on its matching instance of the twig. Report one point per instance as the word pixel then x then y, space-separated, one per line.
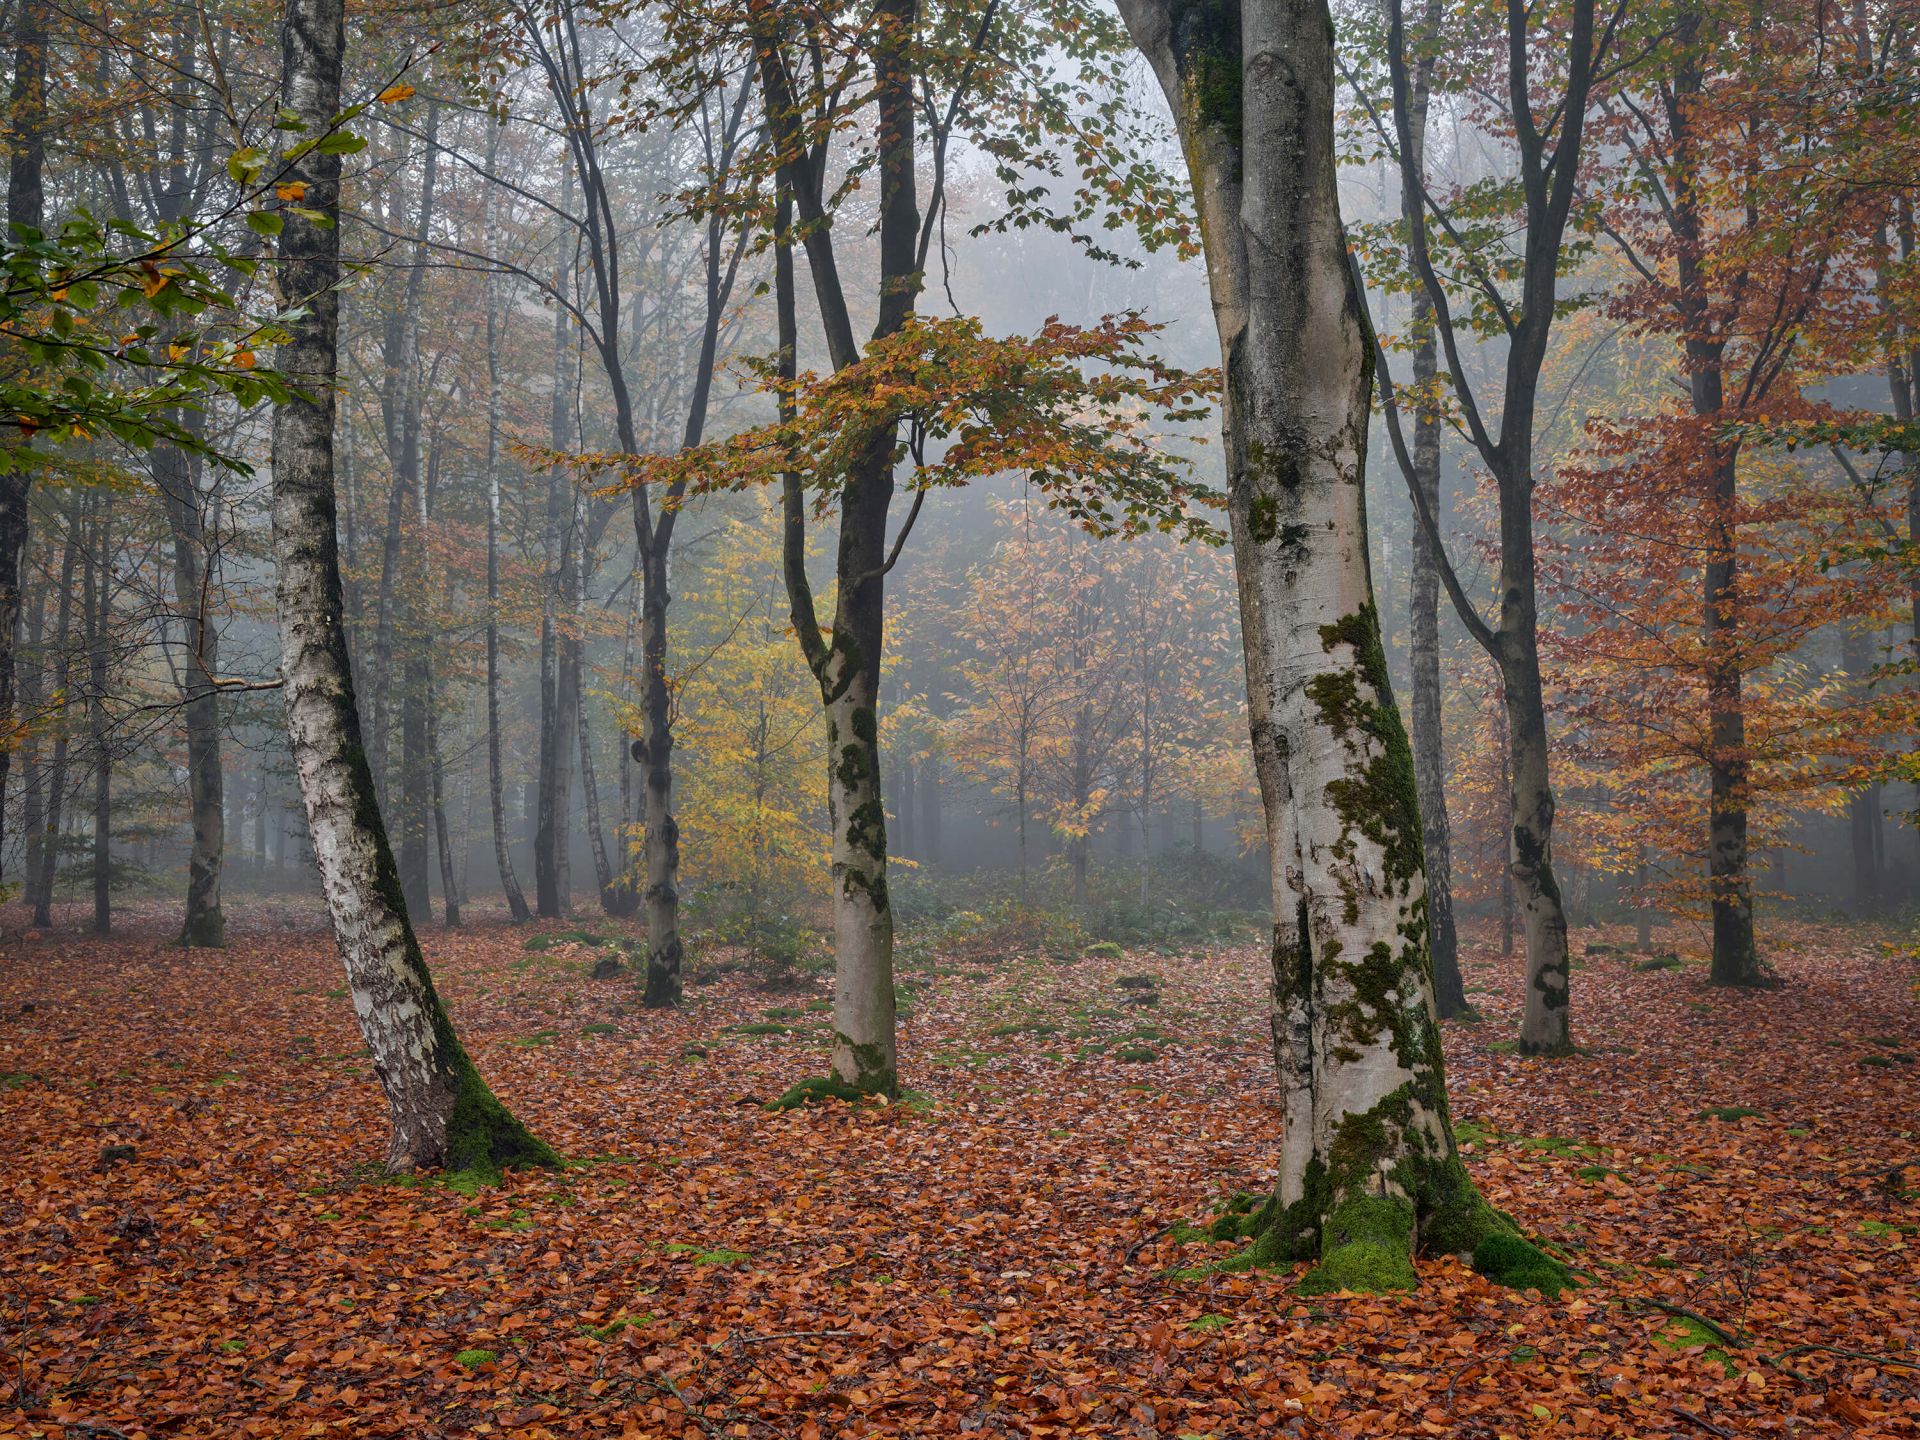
pixel 1459 1374
pixel 1144 1241
pixel 739 1339
pixel 1848 1354
pixel 665 1382
pixel 1703 1423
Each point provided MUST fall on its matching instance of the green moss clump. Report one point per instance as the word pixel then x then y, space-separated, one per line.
pixel 1685 1333
pixel 817 1089
pixel 873 1071
pixel 1656 962
pixel 1518 1263
pixel 1206 43
pixel 1104 950
pixel 1369 1247
pixel 600 1028
pixel 474 1359
pixel 760 1027
pixel 1726 1112
pixel 538 943
pixel 1137 1054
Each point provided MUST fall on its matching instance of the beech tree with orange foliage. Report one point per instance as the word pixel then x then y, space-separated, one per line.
pixel 1743 266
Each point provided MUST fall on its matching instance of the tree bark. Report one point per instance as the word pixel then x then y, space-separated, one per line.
pixel 847 664
pixel 557 695
pixel 653 752
pixel 615 898
pixel 496 801
pixel 1423 606
pixel 442 1111
pixel 40 882
pixel 96 598
pixel 443 838
pixel 33 798
pixel 178 477
pixel 1547 161
pixel 1368 1168
pixel 26 206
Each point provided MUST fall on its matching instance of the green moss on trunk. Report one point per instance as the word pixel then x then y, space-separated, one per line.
pixel 1387 1192
pixel 483 1137
pixel 818 1089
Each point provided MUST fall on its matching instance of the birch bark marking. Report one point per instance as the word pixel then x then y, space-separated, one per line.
pixel 442 1111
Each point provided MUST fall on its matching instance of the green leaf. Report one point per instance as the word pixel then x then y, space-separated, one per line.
pixel 246 163
pixel 265 222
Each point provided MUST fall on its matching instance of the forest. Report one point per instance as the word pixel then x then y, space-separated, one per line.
pixel 1122 718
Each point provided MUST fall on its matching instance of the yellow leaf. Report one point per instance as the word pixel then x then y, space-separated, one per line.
pixel 394 94
pixel 291 190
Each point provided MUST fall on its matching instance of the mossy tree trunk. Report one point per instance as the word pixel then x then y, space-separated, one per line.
pixel 442 1111
pixel 1369 1174
pixel 653 752
pixel 865 1056
pixel 847 664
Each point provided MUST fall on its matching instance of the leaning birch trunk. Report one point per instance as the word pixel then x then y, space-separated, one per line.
pixel 442 1111
pixel 1369 1173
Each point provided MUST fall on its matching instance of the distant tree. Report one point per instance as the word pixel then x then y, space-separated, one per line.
pixel 1071 407
pixel 1740 249
pixel 754 819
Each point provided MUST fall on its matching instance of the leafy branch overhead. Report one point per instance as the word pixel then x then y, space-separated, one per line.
pixel 118 329
pixel 1077 409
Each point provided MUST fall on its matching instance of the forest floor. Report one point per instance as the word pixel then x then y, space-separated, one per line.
pixel 194 1242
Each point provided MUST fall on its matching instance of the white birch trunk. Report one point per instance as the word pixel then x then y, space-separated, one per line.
pixel 442 1111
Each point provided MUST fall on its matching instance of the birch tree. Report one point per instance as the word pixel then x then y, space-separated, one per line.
pixel 441 1109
